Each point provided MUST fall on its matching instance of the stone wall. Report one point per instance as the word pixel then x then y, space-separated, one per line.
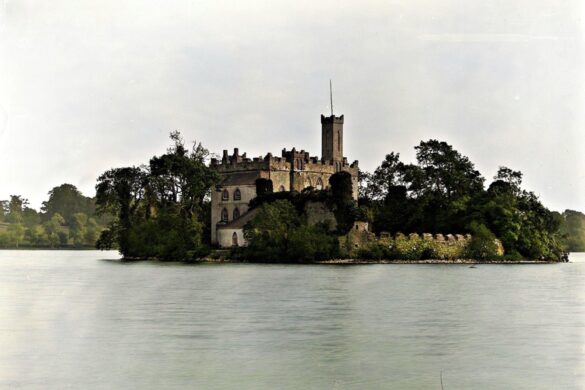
pixel 360 240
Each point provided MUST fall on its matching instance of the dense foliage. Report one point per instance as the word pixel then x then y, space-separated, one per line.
pixel 444 193
pixel 67 219
pixel 161 209
pixel 279 234
pixel 573 229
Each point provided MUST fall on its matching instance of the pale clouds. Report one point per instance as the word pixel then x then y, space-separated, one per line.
pixel 85 86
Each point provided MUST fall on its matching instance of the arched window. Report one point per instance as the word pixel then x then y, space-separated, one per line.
pixel 225 195
pixel 235 239
pixel 308 182
pixel 282 189
pixel 237 194
pixel 319 184
pixel 236 213
pixel 299 165
pixel 224 215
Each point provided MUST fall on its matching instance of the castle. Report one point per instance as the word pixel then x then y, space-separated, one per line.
pixel 292 171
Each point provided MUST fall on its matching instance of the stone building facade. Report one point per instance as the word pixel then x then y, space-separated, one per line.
pixel 293 170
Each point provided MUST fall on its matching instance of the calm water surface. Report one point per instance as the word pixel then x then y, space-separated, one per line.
pixel 82 320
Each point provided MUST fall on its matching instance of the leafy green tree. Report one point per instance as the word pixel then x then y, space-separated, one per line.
pixel 16 233
pixel 447 172
pixel 77 228
pixel 53 227
pixel 483 245
pixel 119 192
pixel 310 243
pixel 279 234
pixel 30 217
pixel 4 239
pixel 573 230
pixel 37 236
pixel 268 234
pixel 4 210
pixel 15 208
pixel 387 175
pixel 510 177
pixel 67 200
pixel 158 207
pixel 91 233
pixel 444 192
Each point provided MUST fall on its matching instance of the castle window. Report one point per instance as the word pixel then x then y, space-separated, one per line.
pixel 319 184
pixel 282 189
pixel 299 165
pixel 225 195
pixel 234 239
pixel 237 194
pixel 224 215
pixel 236 213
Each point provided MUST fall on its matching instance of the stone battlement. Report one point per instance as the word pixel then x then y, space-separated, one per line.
pixel 331 119
pixel 302 160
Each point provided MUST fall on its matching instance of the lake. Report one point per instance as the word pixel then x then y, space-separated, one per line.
pixel 83 320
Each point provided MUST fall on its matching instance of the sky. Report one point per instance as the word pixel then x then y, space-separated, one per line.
pixel 86 86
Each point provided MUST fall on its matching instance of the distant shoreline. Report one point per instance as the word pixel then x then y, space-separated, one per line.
pixel 366 262
pixel 323 262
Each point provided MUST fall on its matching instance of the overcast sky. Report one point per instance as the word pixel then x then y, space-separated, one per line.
pixel 90 85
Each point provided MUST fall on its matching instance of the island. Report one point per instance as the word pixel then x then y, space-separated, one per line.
pixel 298 208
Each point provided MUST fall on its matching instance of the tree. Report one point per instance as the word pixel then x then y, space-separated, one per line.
pixel 573 229
pixel 77 229
pixel 119 192
pixel 446 171
pixel 54 229
pixel 268 234
pixel 159 207
pixel 30 217
pixel 512 178
pixel 92 232
pixel 16 233
pixel 15 208
pixel 67 200
pixel 443 192
pixel 37 236
pixel 4 210
pixel 388 174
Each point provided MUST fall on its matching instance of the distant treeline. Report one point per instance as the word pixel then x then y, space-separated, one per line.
pixel 66 220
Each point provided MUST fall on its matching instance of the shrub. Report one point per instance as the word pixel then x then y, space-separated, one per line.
pixel 483 244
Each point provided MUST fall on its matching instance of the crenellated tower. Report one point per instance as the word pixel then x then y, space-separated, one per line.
pixel 332 138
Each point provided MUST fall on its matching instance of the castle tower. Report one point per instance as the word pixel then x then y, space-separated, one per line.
pixel 332 138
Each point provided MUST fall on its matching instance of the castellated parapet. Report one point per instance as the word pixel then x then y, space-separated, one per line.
pixel 293 170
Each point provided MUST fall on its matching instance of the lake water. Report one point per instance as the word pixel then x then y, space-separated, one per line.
pixel 82 320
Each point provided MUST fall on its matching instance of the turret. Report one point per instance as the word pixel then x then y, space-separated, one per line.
pixel 332 138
